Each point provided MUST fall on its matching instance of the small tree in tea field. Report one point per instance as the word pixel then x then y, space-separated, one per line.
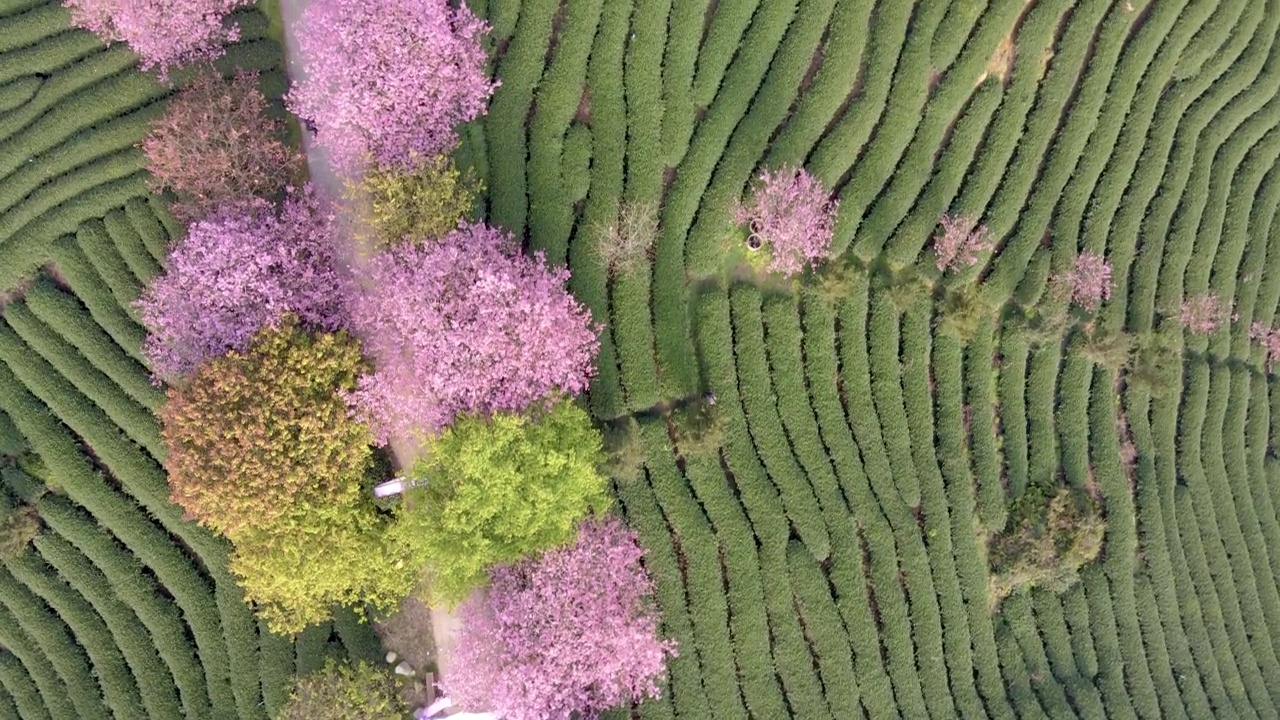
pixel 1047 542
pixel 625 244
pixel 960 243
pixel 345 692
pixel 791 214
pixel 393 206
pixel 571 633
pixel 18 527
pixel 1269 340
pixel 1088 282
pixel 1203 313
pixel 214 144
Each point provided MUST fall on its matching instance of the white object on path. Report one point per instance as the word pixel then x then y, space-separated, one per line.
pixel 435 711
pixel 387 489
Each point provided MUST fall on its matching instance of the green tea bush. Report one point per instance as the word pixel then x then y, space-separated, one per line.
pixel 663 565
pixel 12 444
pixel 149 228
pixel 125 413
pixel 560 93
pixel 151 545
pixel 70 320
pixel 797 494
pixel 520 67
pixel 54 698
pixel 703 581
pixel 18 683
pixel 130 246
pixel 345 692
pixel 633 337
pixel 130 593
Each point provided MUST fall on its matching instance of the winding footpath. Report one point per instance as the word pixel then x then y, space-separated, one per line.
pixel 444 624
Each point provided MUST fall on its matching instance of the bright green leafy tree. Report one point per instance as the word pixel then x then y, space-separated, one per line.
pixel 295 570
pixel 498 489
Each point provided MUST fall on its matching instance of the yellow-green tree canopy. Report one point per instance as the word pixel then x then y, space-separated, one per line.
pixel 394 206
pixel 295 570
pixel 498 489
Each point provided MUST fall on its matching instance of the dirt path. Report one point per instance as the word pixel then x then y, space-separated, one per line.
pixel 444 625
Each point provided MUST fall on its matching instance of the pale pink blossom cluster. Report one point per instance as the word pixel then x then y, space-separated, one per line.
pixel 1088 281
pixel 569 634
pixel 961 242
pixel 390 79
pixel 1203 313
pixel 466 324
pixel 1269 340
pixel 792 213
pixel 236 272
pixel 164 33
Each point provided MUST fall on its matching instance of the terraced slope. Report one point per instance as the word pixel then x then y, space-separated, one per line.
pixel 830 560
pixel 123 609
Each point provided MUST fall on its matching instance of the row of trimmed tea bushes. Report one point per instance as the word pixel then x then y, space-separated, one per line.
pixel 119 689
pixel 149 651
pixel 151 545
pixel 143 478
pixel 1218 82
pixel 1144 209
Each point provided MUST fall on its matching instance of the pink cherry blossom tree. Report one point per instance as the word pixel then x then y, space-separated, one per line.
pixel 390 79
pixel 961 241
pixel 1088 282
pixel 1269 340
pixel 574 631
pixel 236 272
pixel 1203 313
pixel 164 33
pixel 792 214
pixel 466 324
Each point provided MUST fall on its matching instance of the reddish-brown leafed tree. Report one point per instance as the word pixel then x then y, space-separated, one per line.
pixel 215 144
